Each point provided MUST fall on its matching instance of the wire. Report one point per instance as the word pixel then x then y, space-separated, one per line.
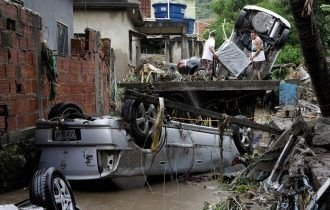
pixel 86 14
pixel 192 160
pixel 144 175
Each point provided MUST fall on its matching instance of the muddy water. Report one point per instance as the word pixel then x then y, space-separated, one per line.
pixel 160 195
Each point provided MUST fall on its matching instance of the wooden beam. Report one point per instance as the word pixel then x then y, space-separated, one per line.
pixel 227 85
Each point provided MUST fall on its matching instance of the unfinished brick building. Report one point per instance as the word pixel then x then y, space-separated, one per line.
pixel 83 78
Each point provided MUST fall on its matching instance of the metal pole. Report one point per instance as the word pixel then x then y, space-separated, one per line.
pixel 168 9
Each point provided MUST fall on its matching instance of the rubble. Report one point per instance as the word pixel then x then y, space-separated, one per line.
pixel 321 135
pixel 293 170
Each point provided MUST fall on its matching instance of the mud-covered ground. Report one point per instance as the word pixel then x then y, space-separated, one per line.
pixel 187 195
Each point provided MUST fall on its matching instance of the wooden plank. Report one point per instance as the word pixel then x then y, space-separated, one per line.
pixel 227 85
pixel 187 108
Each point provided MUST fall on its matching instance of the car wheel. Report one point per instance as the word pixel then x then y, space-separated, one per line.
pixel 126 109
pixel 51 190
pixel 142 123
pixel 283 38
pixel 240 20
pixel 65 110
pixel 242 137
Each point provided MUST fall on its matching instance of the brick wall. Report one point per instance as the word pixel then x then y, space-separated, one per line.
pixel 18 67
pixel 145 7
pixel 77 77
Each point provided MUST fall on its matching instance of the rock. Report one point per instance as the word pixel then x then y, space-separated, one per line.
pixel 280 122
pixel 233 170
pixel 321 136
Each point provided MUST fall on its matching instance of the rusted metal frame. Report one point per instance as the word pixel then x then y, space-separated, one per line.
pixel 184 107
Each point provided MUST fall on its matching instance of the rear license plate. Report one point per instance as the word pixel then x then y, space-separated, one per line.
pixel 66 135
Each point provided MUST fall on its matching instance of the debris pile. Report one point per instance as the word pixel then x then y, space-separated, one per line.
pixel 153 69
pixel 292 174
pixel 294 171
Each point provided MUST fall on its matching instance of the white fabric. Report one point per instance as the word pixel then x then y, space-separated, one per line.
pixel 261 55
pixel 207 54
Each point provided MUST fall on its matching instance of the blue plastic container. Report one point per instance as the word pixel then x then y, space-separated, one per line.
pixel 191 25
pixel 288 93
pixel 176 11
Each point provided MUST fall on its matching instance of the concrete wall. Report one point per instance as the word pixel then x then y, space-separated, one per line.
pixel 175 52
pixel 53 11
pixel 195 49
pixel 114 25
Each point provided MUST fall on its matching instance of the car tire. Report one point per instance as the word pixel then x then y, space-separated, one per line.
pixel 240 20
pixel 242 138
pixel 126 109
pixel 65 110
pixel 283 38
pixel 50 189
pixel 142 123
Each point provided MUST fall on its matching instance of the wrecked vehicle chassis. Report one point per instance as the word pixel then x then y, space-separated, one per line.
pixel 234 97
pixel 100 147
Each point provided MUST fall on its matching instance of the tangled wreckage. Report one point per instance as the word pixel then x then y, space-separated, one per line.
pixel 149 141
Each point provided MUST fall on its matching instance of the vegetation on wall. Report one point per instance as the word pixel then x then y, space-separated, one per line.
pixel 17 162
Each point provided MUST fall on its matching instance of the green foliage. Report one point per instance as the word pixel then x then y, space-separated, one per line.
pixel 244 188
pixel 326 26
pixel 16 164
pixel 243 184
pixel 11 158
pixel 203 9
pixel 290 54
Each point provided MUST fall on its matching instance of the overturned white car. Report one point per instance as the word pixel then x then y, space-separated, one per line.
pixel 86 148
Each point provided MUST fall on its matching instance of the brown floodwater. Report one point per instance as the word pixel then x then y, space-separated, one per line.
pixel 159 195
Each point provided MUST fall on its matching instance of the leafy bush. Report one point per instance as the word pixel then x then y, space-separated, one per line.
pixel 290 54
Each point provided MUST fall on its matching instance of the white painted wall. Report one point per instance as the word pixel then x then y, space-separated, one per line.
pixel 114 25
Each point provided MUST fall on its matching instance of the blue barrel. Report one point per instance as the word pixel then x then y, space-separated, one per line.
pixel 191 25
pixel 176 11
pixel 288 93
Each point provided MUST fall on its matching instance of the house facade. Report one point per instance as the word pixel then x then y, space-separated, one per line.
pixel 57 22
pixel 117 20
